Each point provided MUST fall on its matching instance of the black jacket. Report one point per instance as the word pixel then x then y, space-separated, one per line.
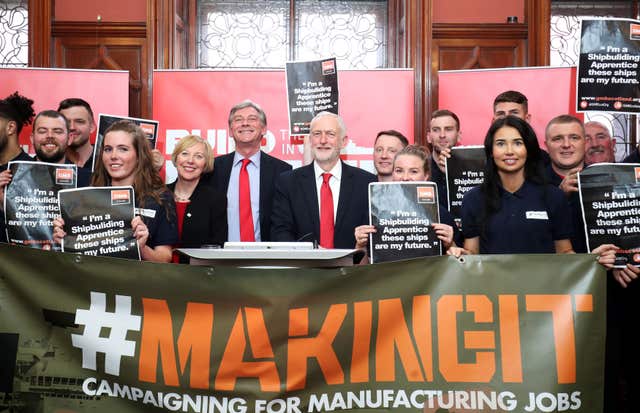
pixel 205 220
pixel 270 169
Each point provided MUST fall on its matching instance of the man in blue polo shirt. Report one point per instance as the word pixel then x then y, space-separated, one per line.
pixel 565 141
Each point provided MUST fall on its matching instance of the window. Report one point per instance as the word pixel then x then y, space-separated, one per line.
pixel 261 33
pixel 14 40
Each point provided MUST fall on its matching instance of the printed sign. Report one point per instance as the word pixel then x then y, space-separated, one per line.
pixel 464 170
pixel 149 127
pixel 402 213
pixel 610 198
pixel 97 221
pixel 312 87
pixel 31 201
pixel 107 91
pixel 365 110
pixel 609 66
pixel 479 87
pixel 499 333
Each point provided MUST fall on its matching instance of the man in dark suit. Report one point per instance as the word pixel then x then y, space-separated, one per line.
pixel 247 126
pixel 307 199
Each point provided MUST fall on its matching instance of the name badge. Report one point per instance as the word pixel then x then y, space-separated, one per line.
pixel 149 213
pixel 537 215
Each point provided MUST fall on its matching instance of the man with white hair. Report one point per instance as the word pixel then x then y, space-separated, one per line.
pixel 599 145
pixel 325 200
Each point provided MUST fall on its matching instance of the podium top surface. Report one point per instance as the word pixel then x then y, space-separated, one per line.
pixel 266 254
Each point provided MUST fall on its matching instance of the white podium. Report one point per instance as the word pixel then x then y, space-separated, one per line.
pixel 271 254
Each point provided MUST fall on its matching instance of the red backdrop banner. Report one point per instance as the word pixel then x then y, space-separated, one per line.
pixel 107 91
pixel 198 102
pixel 470 93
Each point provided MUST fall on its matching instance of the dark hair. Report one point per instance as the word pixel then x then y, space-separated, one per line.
pixel 147 182
pixel 53 115
pixel 533 167
pixel 421 152
pixel 17 108
pixel 72 102
pixel 392 132
pixel 445 112
pixel 512 96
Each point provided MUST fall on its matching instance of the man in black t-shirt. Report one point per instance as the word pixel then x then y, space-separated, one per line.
pixel 444 133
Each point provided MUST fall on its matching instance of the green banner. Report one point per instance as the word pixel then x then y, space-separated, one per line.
pixel 486 333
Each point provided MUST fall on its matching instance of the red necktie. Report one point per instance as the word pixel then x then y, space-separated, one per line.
pixel 326 213
pixel 246 217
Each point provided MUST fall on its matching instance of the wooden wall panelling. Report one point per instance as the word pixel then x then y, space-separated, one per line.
pixel 476 46
pixel 180 55
pixel 112 46
pixel 413 49
pixel 40 13
pixel 162 12
pixel 173 33
pixel 191 20
pixel 538 19
pixel 181 58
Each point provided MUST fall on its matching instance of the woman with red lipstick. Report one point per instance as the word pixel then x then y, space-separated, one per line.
pixel 202 211
pixel 126 160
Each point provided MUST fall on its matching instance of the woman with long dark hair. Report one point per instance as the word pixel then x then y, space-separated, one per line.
pixel 515 210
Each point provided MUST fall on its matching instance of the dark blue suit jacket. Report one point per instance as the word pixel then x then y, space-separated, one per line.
pixel 296 211
pixel 270 168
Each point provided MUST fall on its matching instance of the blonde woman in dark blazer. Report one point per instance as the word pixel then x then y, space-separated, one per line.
pixel 202 210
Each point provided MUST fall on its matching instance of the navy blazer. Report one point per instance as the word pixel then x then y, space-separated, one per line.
pixel 205 220
pixel 270 169
pixel 296 211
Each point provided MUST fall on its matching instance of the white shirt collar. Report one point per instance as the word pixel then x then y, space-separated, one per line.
pixel 255 158
pixel 335 172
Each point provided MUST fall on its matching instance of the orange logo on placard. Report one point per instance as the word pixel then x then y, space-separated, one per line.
pixel 64 176
pixel 147 128
pixel 426 195
pixel 634 29
pixel 120 196
pixel 636 170
pixel 328 67
pixel 636 257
